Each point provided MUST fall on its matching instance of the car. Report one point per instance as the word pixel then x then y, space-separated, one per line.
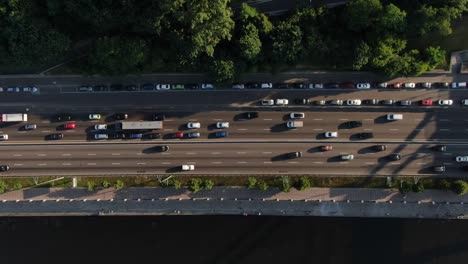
pixel 159 117
pixel 221 134
pixel 100 127
pixel 445 102
pixel 464 102
pixel 320 102
pixel 163 86
pixel 13 89
pixel 238 86
pixel 69 126
pixel 439 168
pixel 134 136
pixel 207 86
pixel 188 167
pixel 409 85
pixel 353 102
pixel 379 147
pixel 301 101
pixel 326 148
pixel 251 85
pixel 394 85
pixel 249 115
pixel 116 87
pixel 461 158
pixel 331 134
pixel 363 86
pixel 28 89
pixel 55 136
pixel 365 135
pixel 293 155
pixel 405 102
pixel 348 85
pixel 178 87
pixel 332 85
pixel 94 117
pixel 459 85
pixel 394 156
pixel 266 85
pixel 63 117
pixel 193 135
pixel 85 89
pixel 178 135
pixel 101 136
pixel 1 89
pixel 29 126
pixel 120 116
pixel 98 87
pixel 267 102
pixel 298 85
pixel 131 87
pixel 193 125
pixel 441 85
pixel 382 85
pixel 161 148
pixel 296 115
pixel 117 136
pixel 394 117
pixel 353 124
pixel 316 86
pixel 148 87
pixel 282 86
pixel 388 102
pixel 336 102
pixel 371 102
pixel 152 136
pixel 426 102
pixel 424 85
pixel 4 168
pixel 222 125
pixel 440 148
pixel 347 157
pixel 191 86
pixel 3 137
pixel 282 102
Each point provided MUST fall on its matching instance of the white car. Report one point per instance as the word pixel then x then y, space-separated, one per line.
pixel 94 117
pixel 461 158
pixel 459 85
pixel 3 137
pixel 101 136
pixel 163 86
pixel 282 101
pixel 188 167
pixel 464 102
pixel 13 89
pixel 336 102
pixel 296 115
pixel 222 125
pixel 353 102
pixel 409 85
pixel 100 127
pixel 267 102
pixel 238 86
pixel 363 86
pixel 266 85
pixel 347 157
pixel 382 85
pixel 193 125
pixel 445 102
pixel 331 134
pixel 27 89
pixel 316 86
pixel 207 86
pixel 426 85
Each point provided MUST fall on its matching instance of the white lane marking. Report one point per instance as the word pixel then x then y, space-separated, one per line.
pixel 344 119
pixel 141 163
pixel 45 122
pixel 18 164
pixel 266 152
pixel 192 120
pixel 42 164
pixel 70 131
pixel 66 154
pixel 21 131
pixel 419 129
pixel 242 129
pixel 267 129
pixel 215 153
pixel 421 163
pixel 369 163
pixel 241 152
pixel 217 119
pixel 115 163
pixel 318 162
pixel 445 120
pixel 168 120
pixel 138 153
pixel 267 119
pixel 393 129
pixel 46 131
pixel 66 164
pixel 91 154
pixel 318 119
pixel 165 162
pixel 241 162
pixel 92 163
pixel 266 162
pixel 17 155
pixel 115 154
pixel 318 129
pixel 216 162
pixel 166 153
pixel 190 153
pixel 344 162
pixel 168 129
pixel 41 155
pixel 293 162
pixel 368 129
pixel 395 163
pixel 369 119
pixel 418 119
pixel 444 129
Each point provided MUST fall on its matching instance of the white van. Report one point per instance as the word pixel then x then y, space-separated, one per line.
pixel 294 124
pixel 188 167
pixel 101 136
pixel 459 85
pixel 392 117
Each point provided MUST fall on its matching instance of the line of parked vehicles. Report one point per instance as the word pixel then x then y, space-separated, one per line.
pixel 357 102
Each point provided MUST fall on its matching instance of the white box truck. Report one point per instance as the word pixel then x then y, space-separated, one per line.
pixel 14 117
pixel 294 124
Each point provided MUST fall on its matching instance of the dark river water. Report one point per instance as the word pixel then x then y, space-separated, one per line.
pixel 231 239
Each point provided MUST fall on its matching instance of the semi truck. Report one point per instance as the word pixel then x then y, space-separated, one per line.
pixel 140 125
pixel 14 117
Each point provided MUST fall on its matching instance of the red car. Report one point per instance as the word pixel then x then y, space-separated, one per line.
pixel 69 126
pixel 349 85
pixel 178 134
pixel 427 102
pixel 394 85
pixel 326 148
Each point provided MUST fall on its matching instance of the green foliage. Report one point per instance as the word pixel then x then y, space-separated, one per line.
pixel 249 43
pixel 418 187
pixel 195 185
pixel 287 42
pixel 362 14
pixel 432 19
pixel 177 184
pixel 405 187
pixel 391 21
pixel 3 186
pixel 208 184
pixel 362 56
pixel 222 70
pixel 91 185
pixel 105 184
pixel 249 15
pixel 262 185
pixel 434 56
pixel 443 184
pixel 460 187
pixel 17 185
pixel 251 182
pixel 119 184
pixel 303 183
pixel 285 183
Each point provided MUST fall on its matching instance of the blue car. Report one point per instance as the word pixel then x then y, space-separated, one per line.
pixel 135 136
pixel 148 87
pixel 222 134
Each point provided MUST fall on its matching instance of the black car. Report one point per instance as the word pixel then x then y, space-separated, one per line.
pixel 152 136
pixel 379 147
pixel 4 168
pixel 116 87
pixel 117 136
pixel 282 86
pixel 365 135
pixel 99 88
pixel 293 155
pixel 191 86
pixel 250 115
pixel 131 88
pixel 301 101
pixel 394 156
pixel 159 117
pixel 251 85
pixel 161 148
pixel 371 102
pixel 298 85
pixel 63 117
pixel 148 87
pixel 440 148
pixel 55 136
pixel 388 102
pixel 353 124
pixel 332 85
pixel 120 116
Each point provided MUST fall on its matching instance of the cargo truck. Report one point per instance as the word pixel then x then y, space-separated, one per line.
pixel 140 125
pixel 14 117
pixel 294 124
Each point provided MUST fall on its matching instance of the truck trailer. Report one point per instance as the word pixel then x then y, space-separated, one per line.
pixel 14 117
pixel 141 125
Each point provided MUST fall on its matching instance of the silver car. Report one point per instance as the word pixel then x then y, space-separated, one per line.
pixel 405 102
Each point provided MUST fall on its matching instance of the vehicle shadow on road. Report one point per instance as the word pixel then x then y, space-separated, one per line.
pixel 367 150
pixel 279 128
pixel 334 159
pixel 381 120
pixel 174 169
pixel 279 157
pixel 315 150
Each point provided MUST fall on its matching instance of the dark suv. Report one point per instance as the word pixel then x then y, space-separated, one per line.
pixel 353 124
pixel 63 117
pixel 379 147
pixel 159 117
pixel 394 156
